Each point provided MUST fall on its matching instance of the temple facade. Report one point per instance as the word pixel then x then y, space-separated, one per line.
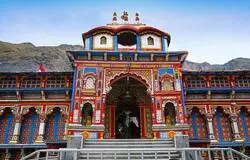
pixel 125 84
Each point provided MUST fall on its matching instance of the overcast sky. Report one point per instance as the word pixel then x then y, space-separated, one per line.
pixel 214 31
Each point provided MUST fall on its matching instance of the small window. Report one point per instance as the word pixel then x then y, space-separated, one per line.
pixel 103 40
pixel 150 41
pixel 90 83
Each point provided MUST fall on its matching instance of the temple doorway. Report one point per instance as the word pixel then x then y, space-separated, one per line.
pixel 127 120
pixel 128 110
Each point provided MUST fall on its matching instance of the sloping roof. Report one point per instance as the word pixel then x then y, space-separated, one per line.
pixel 131 27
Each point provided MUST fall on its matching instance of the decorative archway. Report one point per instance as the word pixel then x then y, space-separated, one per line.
pixel 144 77
pixel 128 105
pixel 198 128
pixel 222 126
pixel 244 123
pixel 55 125
pixel 30 126
pixel 7 122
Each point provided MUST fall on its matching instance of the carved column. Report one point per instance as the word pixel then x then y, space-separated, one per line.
pixel 17 128
pixel 235 128
pixel 209 118
pixel 40 137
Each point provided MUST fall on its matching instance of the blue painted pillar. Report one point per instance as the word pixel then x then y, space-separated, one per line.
pixel 73 90
pixel 115 42
pixel 163 44
pixel 8 129
pixel 138 42
pixel 91 43
pixel 217 115
pixel 194 117
pixel 56 125
pixel 244 125
pixel 33 126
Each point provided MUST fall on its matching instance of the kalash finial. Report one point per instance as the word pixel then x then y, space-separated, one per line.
pixel 137 19
pixel 124 17
pixel 114 17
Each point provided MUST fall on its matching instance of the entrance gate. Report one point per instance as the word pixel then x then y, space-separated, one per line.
pixel 128 110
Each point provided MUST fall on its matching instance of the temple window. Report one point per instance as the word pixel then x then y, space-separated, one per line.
pixel 90 83
pixel 127 40
pixel 170 114
pixel 103 40
pixel 87 113
pixel 7 82
pixel 31 82
pixel 71 82
pixel 150 41
pixel 219 82
pixel 55 82
pixel 242 81
pixel 195 82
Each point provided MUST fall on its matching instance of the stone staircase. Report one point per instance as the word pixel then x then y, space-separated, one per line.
pixel 120 149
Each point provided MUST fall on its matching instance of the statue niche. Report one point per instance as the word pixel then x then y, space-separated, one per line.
pixel 87 113
pixel 170 114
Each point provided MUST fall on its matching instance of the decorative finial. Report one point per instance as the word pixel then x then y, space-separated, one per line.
pixel 137 19
pixel 114 17
pixel 124 17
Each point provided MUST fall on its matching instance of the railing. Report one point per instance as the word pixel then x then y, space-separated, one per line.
pixel 131 153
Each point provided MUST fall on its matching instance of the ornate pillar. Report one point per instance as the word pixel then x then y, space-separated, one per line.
pixel 209 118
pixel 17 128
pixel 235 128
pixel 40 137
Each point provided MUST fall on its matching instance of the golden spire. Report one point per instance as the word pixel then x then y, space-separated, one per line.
pixel 124 17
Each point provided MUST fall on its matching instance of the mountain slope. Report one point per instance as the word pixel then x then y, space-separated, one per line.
pixel 26 57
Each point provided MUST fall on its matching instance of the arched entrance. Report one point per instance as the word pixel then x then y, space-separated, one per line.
pixel 128 110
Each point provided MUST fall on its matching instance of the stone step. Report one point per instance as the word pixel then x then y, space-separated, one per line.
pixel 110 149
pixel 129 146
pixel 130 140
pixel 127 142
pixel 167 143
pixel 124 155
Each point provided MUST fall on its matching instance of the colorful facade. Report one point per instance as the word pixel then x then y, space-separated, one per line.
pixel 125 84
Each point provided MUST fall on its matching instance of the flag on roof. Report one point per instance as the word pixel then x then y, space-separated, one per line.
pixel 41 68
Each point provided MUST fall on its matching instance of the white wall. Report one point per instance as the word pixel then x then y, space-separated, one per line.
pixel 97 45
pixel 144 42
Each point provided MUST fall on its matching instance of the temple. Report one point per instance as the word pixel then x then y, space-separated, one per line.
pixel 124 84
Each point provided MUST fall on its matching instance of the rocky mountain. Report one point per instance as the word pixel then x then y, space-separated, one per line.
pixel 26 57
pixel 234 64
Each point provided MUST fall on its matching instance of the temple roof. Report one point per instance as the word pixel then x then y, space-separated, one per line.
pixel 116 28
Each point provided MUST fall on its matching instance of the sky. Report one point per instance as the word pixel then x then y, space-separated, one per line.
pixel 213 31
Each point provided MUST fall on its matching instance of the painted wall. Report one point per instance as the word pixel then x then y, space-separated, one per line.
pixel 97 39
pixel 144 42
